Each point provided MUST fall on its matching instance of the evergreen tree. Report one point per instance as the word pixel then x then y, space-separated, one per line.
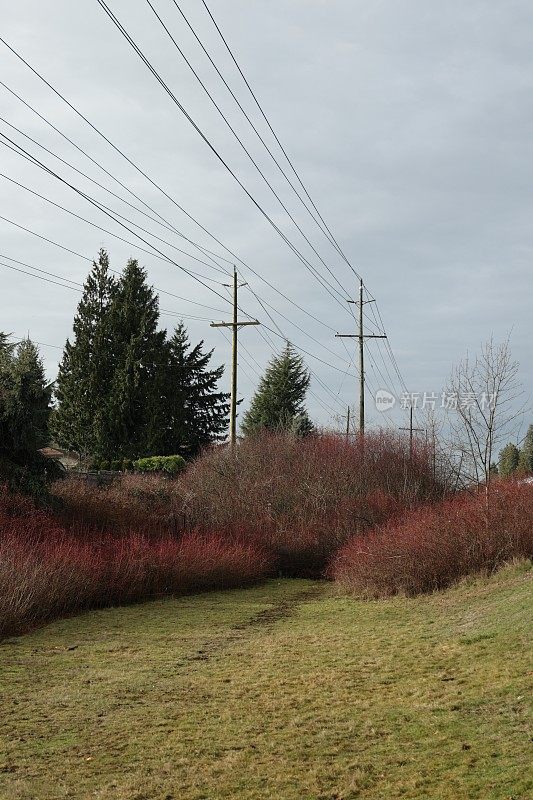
pixel 24 413
pixel 135 408
pixel 25 401
pixel 123 390
pixel 82 386
pixel 196 412
pixel 525 462
pixel 508 460
pixel 278 404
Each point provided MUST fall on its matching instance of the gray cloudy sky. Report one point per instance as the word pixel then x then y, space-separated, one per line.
pixel 410 122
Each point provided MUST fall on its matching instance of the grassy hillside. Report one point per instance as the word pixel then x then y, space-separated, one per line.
pixel 286 691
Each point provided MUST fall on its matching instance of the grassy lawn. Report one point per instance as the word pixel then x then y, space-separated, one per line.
pixel 284 691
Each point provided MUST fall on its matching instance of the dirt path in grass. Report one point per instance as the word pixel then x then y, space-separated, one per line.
pixel 282 691
pixel 284 609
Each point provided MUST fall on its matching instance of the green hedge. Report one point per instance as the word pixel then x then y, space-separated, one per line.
pixel 172 465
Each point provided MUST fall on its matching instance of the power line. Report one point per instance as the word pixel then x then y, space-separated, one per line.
pixel 331 237
pixel 20 151
pixel 213 149
pixel 101 186
pixel 248 118
pixel 78 287
pixel 116 272
pixel 289 161
pixel 39 269
pixel 95 203
pixel 109 214
pixel 106 139
pixel 166 194
pixel 239 140
pixel 234 256
pixel 164 221
pixel 40 277
pixel 264 303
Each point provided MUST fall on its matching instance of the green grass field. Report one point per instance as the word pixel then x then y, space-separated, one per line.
pixel 285 691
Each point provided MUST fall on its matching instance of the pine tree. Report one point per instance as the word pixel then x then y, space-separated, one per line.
pixel 278 404
pixel 123 390
pixel 197 413
pixel 82 386
pixel 134 410
pixel 525 462
pixel 24 413
pixel 25 401
pixel 508 460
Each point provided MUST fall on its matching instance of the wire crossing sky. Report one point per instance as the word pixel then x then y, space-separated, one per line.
pixel 307 143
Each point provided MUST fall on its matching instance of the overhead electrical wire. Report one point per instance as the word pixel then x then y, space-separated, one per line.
pixel 116 272
pixel 148 178
pixel 79 287
pixel 107 211
pixel 208 253
pixel 243 146
pixel 214 150
pixel 118 197
pixel 250 121
pixel 96 204
pixel 291 165
pixel 99 205
pixel 20 151
pixel 44 271
pixel 331 237
pixel 40 277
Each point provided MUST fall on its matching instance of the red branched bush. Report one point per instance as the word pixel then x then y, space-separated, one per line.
pixel 148 502
pixel 434 545
pixel 47 571
pixel 299 498
pixel 303 498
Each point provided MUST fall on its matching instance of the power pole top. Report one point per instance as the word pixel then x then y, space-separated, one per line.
pixel 235 325
pixel 412 431
pixel 361 336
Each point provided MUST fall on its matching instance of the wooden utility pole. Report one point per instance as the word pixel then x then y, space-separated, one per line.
pixel 235 324
pixel 348 424
pixel 411 432
pixel 361 335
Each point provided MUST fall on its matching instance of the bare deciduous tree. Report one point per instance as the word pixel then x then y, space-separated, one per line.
pixel 482 398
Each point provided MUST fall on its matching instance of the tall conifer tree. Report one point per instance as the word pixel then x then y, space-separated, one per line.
pixel 509 458
pixel 279 402
pixel 24 401
pixel 24 414
pixel 197 412
pixel 135 402
pixel 525 462
pixel 83 381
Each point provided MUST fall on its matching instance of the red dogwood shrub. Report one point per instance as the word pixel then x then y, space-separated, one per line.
pixel 47 571
pixel 303 498
pixel 434 545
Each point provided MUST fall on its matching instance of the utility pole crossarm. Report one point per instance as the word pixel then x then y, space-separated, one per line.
pixel 412 430
pixel 235 324
pixel 420 430
pixel 239 324
pixel 361 336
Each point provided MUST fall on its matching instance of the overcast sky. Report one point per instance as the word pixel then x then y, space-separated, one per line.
pixel 411 124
